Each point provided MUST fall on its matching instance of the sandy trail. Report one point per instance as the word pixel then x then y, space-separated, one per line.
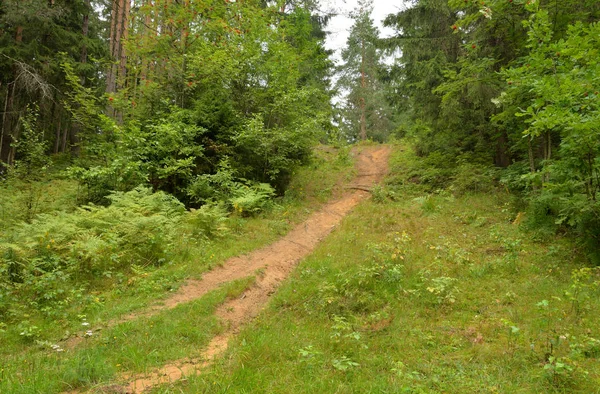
pixel 274 263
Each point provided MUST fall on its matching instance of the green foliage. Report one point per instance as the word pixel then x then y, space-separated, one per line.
pixel 428 47
pixel 70 302
pixel 442 289
pixel 252 91
pixel 244 197
pixel 31 167
pixel 99 181
pixel 37 38
pixel 367 288
pixel 472 178
pixel 558 78
pixel 166 151
pixel 365 112
pixel 207 86
pixel 351 302
pixel 585 282
pixel 513 84
pixel 208 221
pixel 214 187
pixel 31 147
pixel 250 200
pixel 344 363
pixel 559 371
pixel 588 347
pixel 49 260
pixel 28 331
pixel 271 154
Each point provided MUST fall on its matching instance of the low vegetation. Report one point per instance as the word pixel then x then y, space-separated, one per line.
pixel 424 291
pixel 431 286
pixel 68 272
pixel 143 143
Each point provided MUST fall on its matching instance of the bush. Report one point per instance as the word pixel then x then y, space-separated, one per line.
pixel 472 178
pixel 271 154
pixel 213 187
pixel 244 197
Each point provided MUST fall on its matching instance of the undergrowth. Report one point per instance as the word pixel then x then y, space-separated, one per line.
pixel 106 261
pixel 423 292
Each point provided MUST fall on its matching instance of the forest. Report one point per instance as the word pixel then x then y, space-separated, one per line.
pixel 144 144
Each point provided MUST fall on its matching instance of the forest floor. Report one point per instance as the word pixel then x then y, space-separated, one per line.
pixel 379 285
pixel 271 265
pixel 422 291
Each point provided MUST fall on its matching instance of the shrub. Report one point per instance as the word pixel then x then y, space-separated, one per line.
pixel 472 178
pixel 244 197
pixel 271 154
pixel 213 187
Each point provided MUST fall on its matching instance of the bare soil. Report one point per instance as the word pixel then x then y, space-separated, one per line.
pixel 271 265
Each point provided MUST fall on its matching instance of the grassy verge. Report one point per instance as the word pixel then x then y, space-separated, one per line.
pixel 423 293
pixel 135 346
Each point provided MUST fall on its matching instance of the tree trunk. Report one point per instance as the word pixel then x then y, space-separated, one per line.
pixel 363 85
pixel 502 159
pixel 74 136
pixel 63 142
pixel 19 35
pixel 12 153
pixel 145 63
pixel 85 28
pixel 547 152
pixel 57 137
pixel 124 34
pixel 547 145
pixel 8 125
pixel 112 44
pixel 530 155
pixel 4 128
pixel 118 33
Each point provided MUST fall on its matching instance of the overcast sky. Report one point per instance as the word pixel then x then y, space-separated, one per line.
pixel 339 26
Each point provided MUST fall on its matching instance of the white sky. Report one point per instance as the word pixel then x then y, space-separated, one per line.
pixel 339 26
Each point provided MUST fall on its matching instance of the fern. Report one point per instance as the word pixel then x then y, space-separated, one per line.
pixel 139 227
pixel 250 200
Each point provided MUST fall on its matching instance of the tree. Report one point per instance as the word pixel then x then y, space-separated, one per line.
pixel 366 112
pixel 449 71
pixel 509 83
pixel 427 46
pixel 186 86
pixel 32 32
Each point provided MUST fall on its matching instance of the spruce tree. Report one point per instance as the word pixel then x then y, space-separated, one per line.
pixel 366 112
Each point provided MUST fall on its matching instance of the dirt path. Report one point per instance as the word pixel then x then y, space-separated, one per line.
pixel 274 262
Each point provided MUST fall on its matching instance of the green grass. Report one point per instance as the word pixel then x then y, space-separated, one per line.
pixel 135 346
pixel 422 294
pixel 26 363
pixel 413 293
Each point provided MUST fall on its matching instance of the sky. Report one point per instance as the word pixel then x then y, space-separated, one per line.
pixel 339 26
